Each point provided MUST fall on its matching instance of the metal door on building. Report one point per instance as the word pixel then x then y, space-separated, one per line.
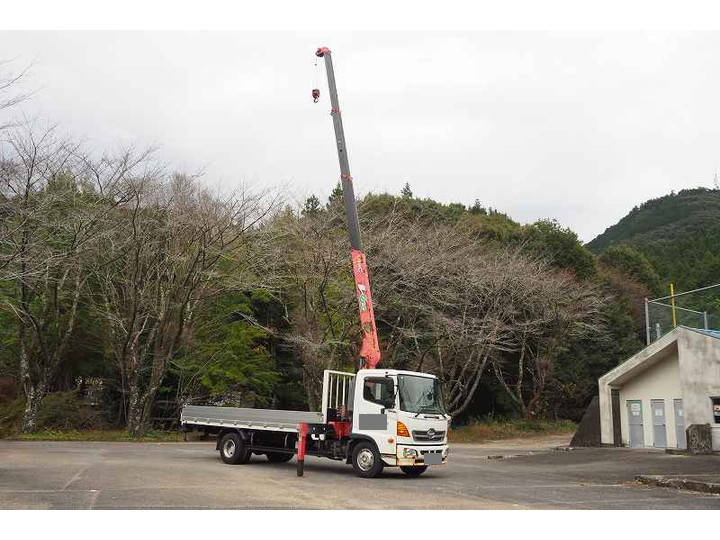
pixel 635 423
pixel 680 424
pixel 659 423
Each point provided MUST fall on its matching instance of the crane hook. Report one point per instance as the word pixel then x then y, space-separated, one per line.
pixel 315 95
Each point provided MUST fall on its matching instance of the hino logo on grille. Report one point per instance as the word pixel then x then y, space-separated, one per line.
pixel 431 433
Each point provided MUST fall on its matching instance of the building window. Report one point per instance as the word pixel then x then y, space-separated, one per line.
pixel 716 409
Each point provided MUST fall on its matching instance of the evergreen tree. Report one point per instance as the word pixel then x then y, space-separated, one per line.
pixel 477 208
pixel 336 196
pixel 311 206
pixel 406 191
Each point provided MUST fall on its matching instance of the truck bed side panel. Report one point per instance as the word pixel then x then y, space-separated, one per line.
pixel 268 419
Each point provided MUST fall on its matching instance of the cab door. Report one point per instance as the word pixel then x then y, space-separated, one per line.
pixel 375 413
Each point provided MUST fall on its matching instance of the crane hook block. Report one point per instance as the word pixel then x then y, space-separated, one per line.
pixel 315 95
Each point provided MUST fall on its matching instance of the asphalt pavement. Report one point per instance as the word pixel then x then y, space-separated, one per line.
pixel 506 474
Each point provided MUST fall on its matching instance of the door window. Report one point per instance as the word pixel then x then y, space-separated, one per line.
pixel 380 390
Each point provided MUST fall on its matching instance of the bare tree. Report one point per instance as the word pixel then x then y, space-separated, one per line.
pixel 561 310
pixel 53 212
pixel 10 94
pixel 313 259
pixel 449 301
pixel 445 300
pixel 174 245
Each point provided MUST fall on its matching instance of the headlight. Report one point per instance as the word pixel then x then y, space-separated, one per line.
pixel 410 453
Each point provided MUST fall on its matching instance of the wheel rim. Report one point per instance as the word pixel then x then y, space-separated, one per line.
pixel 365 459
pixel 229 448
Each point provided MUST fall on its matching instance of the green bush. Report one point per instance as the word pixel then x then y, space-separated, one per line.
pixel 58 411
pixel 66 410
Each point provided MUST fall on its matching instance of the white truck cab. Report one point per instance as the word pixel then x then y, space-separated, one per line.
pixel 403 413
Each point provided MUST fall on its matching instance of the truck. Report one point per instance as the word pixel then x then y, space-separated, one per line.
pixel 371 419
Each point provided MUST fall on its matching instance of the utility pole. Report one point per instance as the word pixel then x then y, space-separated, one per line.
pixel 672 303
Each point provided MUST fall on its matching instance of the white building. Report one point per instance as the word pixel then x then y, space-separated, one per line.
pixel 651 398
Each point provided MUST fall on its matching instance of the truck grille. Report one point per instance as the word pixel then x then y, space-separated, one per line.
pixel 431 436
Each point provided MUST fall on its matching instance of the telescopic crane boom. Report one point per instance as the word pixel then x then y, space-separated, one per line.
pixel 370 349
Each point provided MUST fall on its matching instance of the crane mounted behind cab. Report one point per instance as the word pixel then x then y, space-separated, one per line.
pixel 370 419
pixel 370 349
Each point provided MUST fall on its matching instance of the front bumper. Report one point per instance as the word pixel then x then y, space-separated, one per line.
pixel 403 459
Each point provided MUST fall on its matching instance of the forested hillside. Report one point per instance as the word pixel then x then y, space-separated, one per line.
pixel 679 234
pixel 671 239
pixel 127 290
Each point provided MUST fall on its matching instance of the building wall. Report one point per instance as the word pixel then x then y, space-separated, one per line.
pixel 606 425
pixel 660 381
pixel 617 377
pixel 700 374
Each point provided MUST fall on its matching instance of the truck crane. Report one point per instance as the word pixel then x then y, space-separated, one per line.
pixel 371 419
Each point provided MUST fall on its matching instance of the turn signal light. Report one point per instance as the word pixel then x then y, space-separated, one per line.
pixel 402 430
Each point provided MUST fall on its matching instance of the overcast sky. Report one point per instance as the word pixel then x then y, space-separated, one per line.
pixel 577 127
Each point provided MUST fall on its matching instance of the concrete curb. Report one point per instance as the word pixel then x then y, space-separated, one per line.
pixel 679 483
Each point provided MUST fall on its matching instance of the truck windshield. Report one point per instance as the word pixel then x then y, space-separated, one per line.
pixel 420 395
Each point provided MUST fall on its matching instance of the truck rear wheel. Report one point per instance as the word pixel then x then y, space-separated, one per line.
pixel 414 471
pixel 366 460
pixel 232 449
pixel 279 457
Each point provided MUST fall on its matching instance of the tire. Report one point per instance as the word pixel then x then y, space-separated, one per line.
pixel 279 457
pixel 232 450
pixel 414 472
pixel 366 460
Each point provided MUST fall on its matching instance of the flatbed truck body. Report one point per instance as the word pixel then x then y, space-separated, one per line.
pixel 277 420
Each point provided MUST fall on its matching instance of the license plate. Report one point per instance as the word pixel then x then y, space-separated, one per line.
pixel 433 459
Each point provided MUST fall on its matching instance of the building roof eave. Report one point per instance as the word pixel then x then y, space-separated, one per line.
pixel 644 359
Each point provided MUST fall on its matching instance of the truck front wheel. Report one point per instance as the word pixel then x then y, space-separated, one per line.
pixel 414 471
pixel 366 460
pixel 232 449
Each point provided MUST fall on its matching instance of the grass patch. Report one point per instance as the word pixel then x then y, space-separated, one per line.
pixel 509 429
pixel 98 435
